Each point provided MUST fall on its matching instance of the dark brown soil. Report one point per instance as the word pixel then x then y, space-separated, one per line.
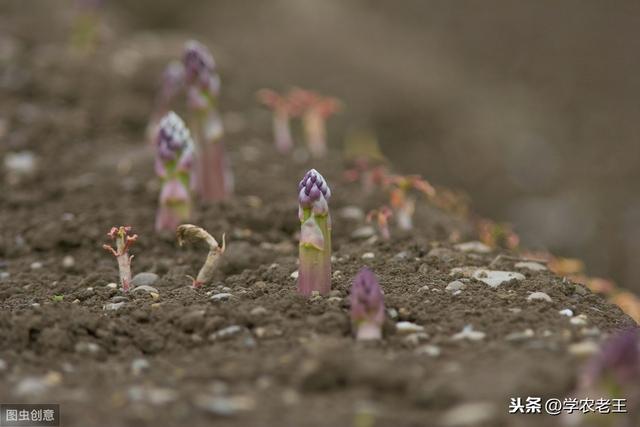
pixel 292 361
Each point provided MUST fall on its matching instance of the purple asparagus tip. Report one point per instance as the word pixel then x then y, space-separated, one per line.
pixel 619 359
pixel 313 191
pixel 367 306
pixel 200 66
pixel 173 137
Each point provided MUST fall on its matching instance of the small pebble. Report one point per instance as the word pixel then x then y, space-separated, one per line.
pixel 392 312
pixel 31 386
pixel 496 278
pixel 37 265
pixel 579 320
pixel 3 365
pixel 416 338
pixel 68 262
pixel 429 350
pixel 119 298
pixel 144 279
pixel 470 414
pixel 112 285
pixel 590 332
pixel 113 306
pixel 364 232
pixel 401 256
pixel 423 288
pixel 423 269
pixel 529 265
pixel 21 163
pixel 294 275
pixel 145 288
pixel 227 332
pixel 87 347
pixel 539 296
pixel 224 406
pixel 468 333
pixel 520 336
pixel 474 246
pixel 566 312
pixel 258 311
pixel 583 349
pixel 368 255
pixel 408 328
pixel 4 275
pixel 221 297
pixel 455 286
pixel 352 212
pixel 139 365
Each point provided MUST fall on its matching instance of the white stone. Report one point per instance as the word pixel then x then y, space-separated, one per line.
pixel 227 332
pixel 294 275
pixel 113 306
pixel 221 296
pixel 579 320
pixel 145 288
pixel 530 265
pixel 112 286
pixel 495 278
pixel 352 212
pixel 456 285
pixel 468 333
pixel 469 414
pixel 368 255
pixel 139 365
pixel 392 312
pixel 584 348
pixel 473 246
pixel 408 328
pixel 538 296
pixel 566 312
pixel 31 386
pixel 519 336
pixel 37 265
pixel 363 232
pixel 21 163
pixel 68 262
pixel 429 350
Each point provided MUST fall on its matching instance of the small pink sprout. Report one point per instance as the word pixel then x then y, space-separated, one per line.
pixel 282 113
pixel 381 216
pixel 123 242
pixel 367 306
pixel 401 201
pixel 315 110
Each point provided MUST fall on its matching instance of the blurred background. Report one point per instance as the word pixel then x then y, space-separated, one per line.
pixel 530 107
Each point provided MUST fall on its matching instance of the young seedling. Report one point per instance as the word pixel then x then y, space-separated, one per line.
pixel 282 113
pixel 120 235
pixel 401 200
pixel 381 217
pixel 214 179
pixel 192 233
pixel 367 306
pixel 171 85
pixel 314 273
pixel 365 161
pixel 174 161
pixel 315 110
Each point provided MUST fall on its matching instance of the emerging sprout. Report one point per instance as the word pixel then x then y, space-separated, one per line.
pixel 614 373
pixel 123 242
pixel 315 110
pixel 315 234
pixel 365 161
pixel 381 217
pixel 496 234
pixel 193 233
pixel 618 364
pixel 402 202
pixel 367 306
pixel 174 161
pixel 171 85
pixel 282 112
pixel 214 179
